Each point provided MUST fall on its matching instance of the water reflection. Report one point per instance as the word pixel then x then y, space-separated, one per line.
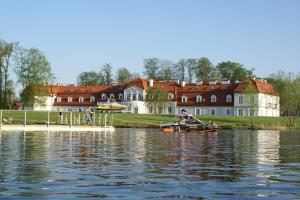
pixel 140 163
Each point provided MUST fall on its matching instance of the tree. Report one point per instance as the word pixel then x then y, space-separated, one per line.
pixel 151 66
pixel 156 97
pixel 250 94
pixel 88 78
pixel 180 69
pixel 165 70
pixel 106 74
pixel 234 71
pixel 32 67
pixel 7 50
pixel 204 69
pixel 123 75
pixel 191 64
pixel 33 71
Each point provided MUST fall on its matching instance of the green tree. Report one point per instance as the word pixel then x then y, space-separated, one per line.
pixel 156 97
pixel 180 69
pixel 7 49
pixel 251 97
pixel 32 67
pixel 105 74
pixel 151 67
pixel 191 64
pixel 234 71
pixel 165 70
pixel 204 69
pixel 123 75
pixel 88 78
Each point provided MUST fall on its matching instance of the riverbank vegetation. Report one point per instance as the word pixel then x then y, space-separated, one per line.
pixel 128 120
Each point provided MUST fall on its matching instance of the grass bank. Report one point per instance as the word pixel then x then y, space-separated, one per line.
pixel 147 121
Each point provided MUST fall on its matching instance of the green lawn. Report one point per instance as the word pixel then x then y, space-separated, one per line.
pixel 146 120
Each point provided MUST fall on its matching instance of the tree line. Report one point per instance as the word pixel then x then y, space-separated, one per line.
pixel 30 66
pixel 186 69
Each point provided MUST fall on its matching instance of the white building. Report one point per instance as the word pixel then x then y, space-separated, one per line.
pixel 211 98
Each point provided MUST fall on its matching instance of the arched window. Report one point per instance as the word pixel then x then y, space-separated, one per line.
pixel 213 98
pixel 199 98
pixel 170 96
pixel 92 99
pixel 58 99
pixel 228 98
pixel 70 99
pixel 81 99
pixel 112 96
pixel 183 99
pixel 120 96
pixel 103 96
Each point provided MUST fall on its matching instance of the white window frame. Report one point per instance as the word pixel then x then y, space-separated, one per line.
pixel 213 98
pixel 198 98
pixel 197 111
pixel 103 96
pixel 170 96
pixel 240 113
pixel 241 99
pixel 112 96
pixel 228 98
pixel 228 114
pixel 184 99
pixel 80 99
pixel 58 99
pixel 92 99
pixel 70 99
pixel 140 97
pixel 213 112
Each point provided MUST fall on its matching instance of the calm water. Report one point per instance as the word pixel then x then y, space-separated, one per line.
pixel 138 163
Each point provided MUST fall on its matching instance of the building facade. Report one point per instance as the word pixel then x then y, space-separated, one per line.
pixel 210 98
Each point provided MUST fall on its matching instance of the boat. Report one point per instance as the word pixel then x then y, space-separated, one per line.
pixel 188 123
pixel 111 106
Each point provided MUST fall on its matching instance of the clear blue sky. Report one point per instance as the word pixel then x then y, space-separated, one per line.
pixel 79 36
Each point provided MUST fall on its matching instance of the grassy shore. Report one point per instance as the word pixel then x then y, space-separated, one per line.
pixel 148 121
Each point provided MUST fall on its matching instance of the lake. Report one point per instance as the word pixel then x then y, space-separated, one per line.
pixel 147 164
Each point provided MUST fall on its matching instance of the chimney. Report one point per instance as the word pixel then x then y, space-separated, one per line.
pixel 150 82
pixel 199 82
pixel 182 83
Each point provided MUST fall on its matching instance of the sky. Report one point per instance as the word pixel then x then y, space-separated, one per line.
pixel 82 35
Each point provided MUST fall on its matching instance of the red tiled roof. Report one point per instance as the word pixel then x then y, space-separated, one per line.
pixel 138 82
pixel 260 87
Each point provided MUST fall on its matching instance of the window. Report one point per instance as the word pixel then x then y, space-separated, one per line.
pixel 128 97
pixel 136 109
pixel 160 110
pixel 103 96
pixel 133 97
pixel 150 109
pixel 112 96
pixel 228 112
pixel 213 98
pixel 213 111
pixel 92 99
pixel 140 97
pixel 240 112
pixel 170 110
pixel 120 96
pixel 241 99
pixel 199 98
pixel 197 111
pixel 70 99
pixel 183 99
pixel 81 99
pixel 228 98
pixel 58 99
pixel 170 96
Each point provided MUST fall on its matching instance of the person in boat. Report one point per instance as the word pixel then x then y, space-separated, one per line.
pixel 212 125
